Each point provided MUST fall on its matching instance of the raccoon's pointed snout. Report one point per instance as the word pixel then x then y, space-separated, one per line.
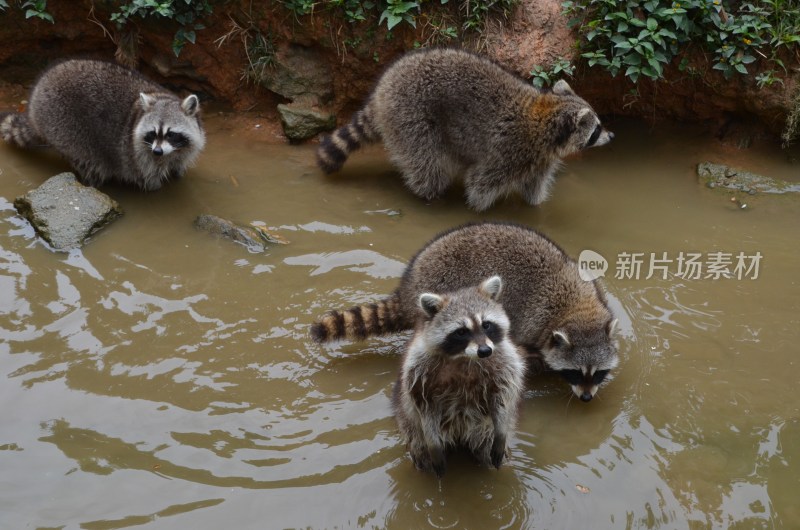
pixel 158 151
pixel 610 135
pixel 484 351
pixel 586 396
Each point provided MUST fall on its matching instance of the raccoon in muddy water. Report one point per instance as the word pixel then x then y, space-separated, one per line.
pixel 448 113
pixel 562 322
pixel 461 380
pixel 110 123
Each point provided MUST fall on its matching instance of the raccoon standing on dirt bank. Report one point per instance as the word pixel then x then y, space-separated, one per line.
pixel 461 381
pixel 444 113
pixel 110 123
pixel 556 317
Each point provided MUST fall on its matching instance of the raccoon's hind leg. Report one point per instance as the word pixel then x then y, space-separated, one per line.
pixel 427 171
pixel 16 129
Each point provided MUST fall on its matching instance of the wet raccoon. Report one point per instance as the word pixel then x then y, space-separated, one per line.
pixel 461 381
pixel 559 319
pixel 445 113
pixel 110 123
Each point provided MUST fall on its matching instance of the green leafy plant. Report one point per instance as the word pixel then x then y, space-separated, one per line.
pixel 397 11
pixel 473 13
pixel 542 77
pixel 187 13
pixel 33 9
pixel 38 9
pixel 641 38
pixel 477 11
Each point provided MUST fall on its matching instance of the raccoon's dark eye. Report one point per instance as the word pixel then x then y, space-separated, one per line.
pixel 492 331
pixel 456 341
pixel 573 377
pixel 150 137
pixel 176 139
pixel 599 376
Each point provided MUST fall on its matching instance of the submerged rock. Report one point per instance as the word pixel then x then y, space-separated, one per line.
pixel 724 177
pixel 65 213
pixel 255 238
pixel 301 122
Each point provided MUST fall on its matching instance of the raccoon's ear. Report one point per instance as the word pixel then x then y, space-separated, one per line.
pixel 146 101
pixel 431 303
pixel 190 105
pixel 560 339
pixel 611 327
pixel 492 287
pixel 562 88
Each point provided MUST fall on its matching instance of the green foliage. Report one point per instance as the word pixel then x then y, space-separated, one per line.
pixel 260 52
pixel 792 122
pixel 408 12
pixel 33 9
pixel 397 11
pixel 641 38
pixel 38 9
pixel 187 13
pixel 541 77
pixel 477 11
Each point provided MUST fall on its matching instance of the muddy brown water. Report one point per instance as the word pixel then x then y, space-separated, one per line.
pixel 163 378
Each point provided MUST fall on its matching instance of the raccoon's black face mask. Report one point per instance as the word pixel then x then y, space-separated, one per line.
pixel 577 378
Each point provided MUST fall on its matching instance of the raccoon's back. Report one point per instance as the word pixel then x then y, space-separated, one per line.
pixel 86 106
pixel 450 88
pixel 540 281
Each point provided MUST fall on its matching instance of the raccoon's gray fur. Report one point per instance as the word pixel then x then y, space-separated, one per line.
pixel 445 113
pixel 110 123
pixel 462 377
pixel 560 320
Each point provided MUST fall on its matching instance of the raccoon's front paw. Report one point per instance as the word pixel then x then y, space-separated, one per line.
pixel 438 463
pixel 430 460
pixel 498 452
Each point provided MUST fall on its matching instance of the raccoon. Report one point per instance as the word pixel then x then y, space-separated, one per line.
pixel 561 322
pixel 110 123
pixel 461 380
pixel 448 113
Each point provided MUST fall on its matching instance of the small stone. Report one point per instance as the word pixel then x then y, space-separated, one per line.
pixel 51 209
pixel 254 238
pixel 723 177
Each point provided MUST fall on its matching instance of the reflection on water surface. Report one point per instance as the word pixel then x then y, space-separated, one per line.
pixel 164 378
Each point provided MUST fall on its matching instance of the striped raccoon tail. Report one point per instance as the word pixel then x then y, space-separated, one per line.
pixel 333 150
pixel 360 322
pixel 16 130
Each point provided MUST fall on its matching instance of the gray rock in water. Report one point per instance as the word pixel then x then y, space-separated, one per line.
pixel 300 122
pixel 65 213
pixel 254 238
pixel 719 176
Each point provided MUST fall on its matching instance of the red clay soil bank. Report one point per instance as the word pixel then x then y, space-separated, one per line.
pixel 535 34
